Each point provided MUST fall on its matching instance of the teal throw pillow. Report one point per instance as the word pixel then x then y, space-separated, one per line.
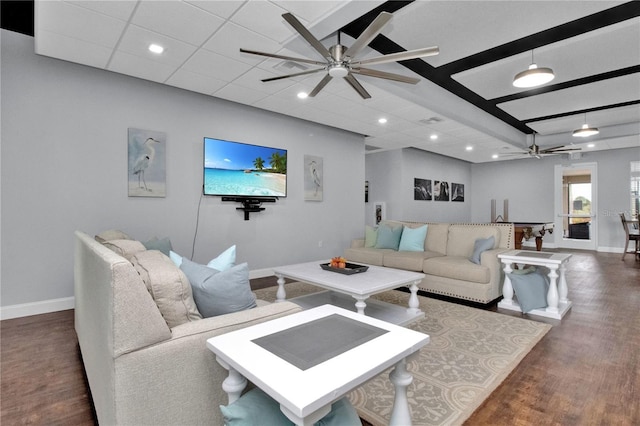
pixel 388 237
pixel 222 262
pixel 161 244
pixel 370 236
pixel 531 290
pixel 413 239
pixel 481 244
pixel 219 292
pixel 257 408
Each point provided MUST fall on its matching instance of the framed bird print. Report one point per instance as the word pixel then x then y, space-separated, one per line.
pixel 313 186
pixel 147 173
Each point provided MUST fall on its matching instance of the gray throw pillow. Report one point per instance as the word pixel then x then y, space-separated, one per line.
pixel 160 244
pixel 531 290
pixel 388 237
pixel 481 244
pixel 216 292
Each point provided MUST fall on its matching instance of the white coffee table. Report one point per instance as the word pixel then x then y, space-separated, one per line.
pixel 344 288
pixel 305 394
pixel 557 295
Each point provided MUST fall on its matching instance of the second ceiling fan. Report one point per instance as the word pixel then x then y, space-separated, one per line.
pixel 339 60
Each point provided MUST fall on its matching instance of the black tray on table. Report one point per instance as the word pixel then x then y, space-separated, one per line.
pixel 349 269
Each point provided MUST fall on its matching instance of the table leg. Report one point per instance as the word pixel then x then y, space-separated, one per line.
pixel 563 289
pixel 360 304
pixel 234 384
pixel 281 295
pixel 552 294
pixel 401 379
pixel 414 303
pixel 507 288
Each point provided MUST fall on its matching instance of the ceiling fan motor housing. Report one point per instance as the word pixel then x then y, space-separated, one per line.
pixel 338 67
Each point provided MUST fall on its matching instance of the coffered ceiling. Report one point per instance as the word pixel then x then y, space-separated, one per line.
pixel 465 97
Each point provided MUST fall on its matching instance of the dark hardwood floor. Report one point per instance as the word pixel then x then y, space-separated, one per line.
pixel 585 371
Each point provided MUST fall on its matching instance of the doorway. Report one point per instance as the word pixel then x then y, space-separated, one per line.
pixel 575 206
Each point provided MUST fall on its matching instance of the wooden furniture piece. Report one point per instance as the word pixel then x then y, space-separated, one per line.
pixel 527 230
pixel 632 234
pixel 557 296
pixel 321 376
pixel 344 288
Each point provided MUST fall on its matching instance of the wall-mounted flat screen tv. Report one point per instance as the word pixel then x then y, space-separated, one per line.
pixel 243 170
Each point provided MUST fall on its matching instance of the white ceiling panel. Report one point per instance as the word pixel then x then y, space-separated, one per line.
pixel 214 65
pixel 607 92
pixel 264 18
pixel 136 41
pixel 628 114
pixel 72 49
pixel 117 9
pixel 137 66
pixel 221 8
pixel 231 37
pixel 195 82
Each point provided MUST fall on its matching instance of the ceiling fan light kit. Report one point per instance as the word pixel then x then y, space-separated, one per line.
pixel 339 60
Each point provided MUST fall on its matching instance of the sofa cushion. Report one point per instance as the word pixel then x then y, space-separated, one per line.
pixel 457 268
pixel 370 236
pixel 370 256
pixel 222 262
pixel 436 239
pixel 125 248
pixel 168 286
pixel 481 245
pixel 219 292
pixel 531 290
pixel 257 408
pixel 412 239
pixel 463 237
pixel 388 237
pixel 111 234
pixel 407 260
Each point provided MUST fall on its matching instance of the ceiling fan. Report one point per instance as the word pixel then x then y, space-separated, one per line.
pixel 338 60
pixel 535 151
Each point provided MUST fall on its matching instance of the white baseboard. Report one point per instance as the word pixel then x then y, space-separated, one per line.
pixel 36 308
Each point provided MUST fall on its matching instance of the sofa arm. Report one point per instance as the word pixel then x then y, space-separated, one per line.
pixel 358 243
pixel 179 381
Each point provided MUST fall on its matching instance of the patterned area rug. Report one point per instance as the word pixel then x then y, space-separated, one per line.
pixel 471 352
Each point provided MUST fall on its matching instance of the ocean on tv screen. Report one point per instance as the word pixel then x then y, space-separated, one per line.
pixel 254 183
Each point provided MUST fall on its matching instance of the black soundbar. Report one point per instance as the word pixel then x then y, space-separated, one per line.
pixel 250 200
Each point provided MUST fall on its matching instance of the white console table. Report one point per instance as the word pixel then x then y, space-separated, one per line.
pixel 557 296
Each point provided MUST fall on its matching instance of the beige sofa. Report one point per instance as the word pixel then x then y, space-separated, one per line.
pixel 141 371
pixel 445 259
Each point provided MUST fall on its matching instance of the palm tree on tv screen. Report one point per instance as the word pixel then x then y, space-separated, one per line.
pixel 258 163
pixel 278 162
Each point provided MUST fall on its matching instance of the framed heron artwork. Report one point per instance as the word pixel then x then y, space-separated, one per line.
pixel 313 187
pixel 147 173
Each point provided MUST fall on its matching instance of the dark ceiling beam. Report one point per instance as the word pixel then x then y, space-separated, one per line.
pixel 574 28
pixel 581 111
pixel 17 16
pixel 568 84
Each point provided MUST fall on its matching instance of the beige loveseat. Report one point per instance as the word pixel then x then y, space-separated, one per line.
pixel 445 259
pixel 141 371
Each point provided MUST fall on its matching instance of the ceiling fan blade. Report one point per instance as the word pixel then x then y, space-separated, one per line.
pixel 289 58
pixel 400 56
pixel 386 75
pixel 327 78
pixel 357 86
pixel 369 34
pixel 292 75
pixel 560 148
pixel 304 32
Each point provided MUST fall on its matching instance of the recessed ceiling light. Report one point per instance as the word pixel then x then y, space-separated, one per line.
pixel 469 148
pixel 382 120
pixel 303 95
pixel 591 145
pixel 156 48
pixel 433 137
pixel 494 156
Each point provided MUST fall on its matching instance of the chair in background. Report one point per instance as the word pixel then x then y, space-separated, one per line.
pixel 632 233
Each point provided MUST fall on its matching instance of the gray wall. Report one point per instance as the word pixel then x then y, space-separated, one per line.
pixel 391 177
pixel 64 167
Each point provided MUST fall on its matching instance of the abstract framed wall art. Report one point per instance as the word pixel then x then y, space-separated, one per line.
pixel 147 173
pixel 422 189
pixel 457 191
pixel 440 190
pixel 313 188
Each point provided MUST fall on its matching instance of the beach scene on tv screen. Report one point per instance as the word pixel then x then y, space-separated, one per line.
pixel 233 168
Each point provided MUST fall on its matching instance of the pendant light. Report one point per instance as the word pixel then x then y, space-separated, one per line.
pixel 534 76
pixel 585 130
